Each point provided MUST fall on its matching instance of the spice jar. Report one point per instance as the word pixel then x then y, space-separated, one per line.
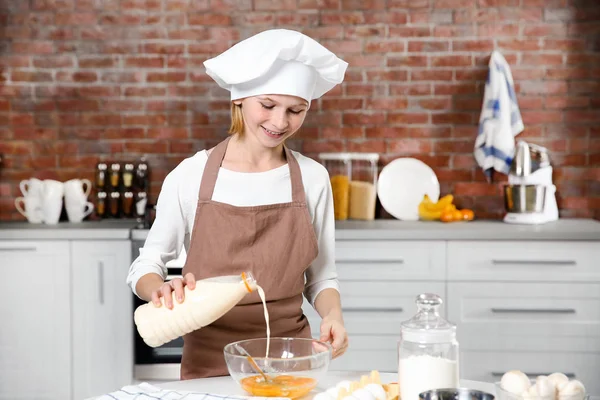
pixel 113 204
pixel 142 175
pixel 128 172
pixel 101 175
pixel 141 200
pixel 354 184
pixel 428 350
pixel 127 204
pixel 115 175
pixel 101 204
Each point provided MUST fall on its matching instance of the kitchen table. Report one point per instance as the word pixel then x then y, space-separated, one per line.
pixel 225 385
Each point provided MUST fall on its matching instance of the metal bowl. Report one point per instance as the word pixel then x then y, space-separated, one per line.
pixel 524 198
pixel 455 394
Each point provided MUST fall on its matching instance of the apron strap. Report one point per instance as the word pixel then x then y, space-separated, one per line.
pixel 215 159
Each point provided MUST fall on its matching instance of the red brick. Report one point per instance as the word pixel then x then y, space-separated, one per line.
pixel 570 45
pixel 205 19
pixel 451 3
pixel 519 44
pixel 166 77
pixel 406 61
pixel 472 45
pixel 451 61
pixel 537 59
pixel 436 103
pixel 452 118
pixel 302 18
pixel 413 4
pixel 416 89
pixel 162 48
pixel 409 146
pixel 75 18
pixel 319 4
pixel 76 76
pixel 394 75
pixel 362 5
pixel 429 132
pixel 581 116
pixel 454 88
pixel 363 118
pixel 407 118
pixel 343 18
pixel 583 59
pixel 379 46
pixel 346 132
pixel 322 146
pixel 341 104
pixel 428 46
pixel 367 146
pixel 584 87
pixel 547 87
pixel 430 75
pixel 541 117
pixel 195 33
pixel 561 102
pixel 365 89
pixel 168 133
pixel 386 132
pixel 30 76
pixel 144 62
pixel 477 189
pixel 401 32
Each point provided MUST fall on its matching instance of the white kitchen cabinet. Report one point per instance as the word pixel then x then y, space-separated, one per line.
pixel 35 337
pixel 102 317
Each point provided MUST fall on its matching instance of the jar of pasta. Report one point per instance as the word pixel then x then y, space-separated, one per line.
pixel 354 183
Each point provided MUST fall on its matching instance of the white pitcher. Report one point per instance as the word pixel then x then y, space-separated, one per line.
pixel 52 200
pixel 31 208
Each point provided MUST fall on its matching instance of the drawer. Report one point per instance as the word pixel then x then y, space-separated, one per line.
pixel 391 260
pixel 371 308
pixel 549 261
pixel 490 366
pixel 526 316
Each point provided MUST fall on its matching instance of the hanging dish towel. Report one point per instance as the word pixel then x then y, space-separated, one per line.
pixel 145 391
pixel 500 120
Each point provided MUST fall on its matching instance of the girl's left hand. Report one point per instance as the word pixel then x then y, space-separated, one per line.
pixel 333 331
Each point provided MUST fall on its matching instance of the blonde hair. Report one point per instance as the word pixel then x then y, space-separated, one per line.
pixel 237 119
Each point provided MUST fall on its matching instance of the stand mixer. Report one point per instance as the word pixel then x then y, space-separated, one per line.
pixel 530 195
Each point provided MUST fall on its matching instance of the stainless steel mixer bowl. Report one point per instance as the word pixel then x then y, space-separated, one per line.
pixel 455 394
pixel 524 198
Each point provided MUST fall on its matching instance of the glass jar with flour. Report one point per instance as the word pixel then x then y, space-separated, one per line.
pixel 427 351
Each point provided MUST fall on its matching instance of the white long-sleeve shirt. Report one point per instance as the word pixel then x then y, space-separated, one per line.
pixel 176 210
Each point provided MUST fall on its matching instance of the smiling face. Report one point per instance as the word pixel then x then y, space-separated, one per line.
pixel 271 119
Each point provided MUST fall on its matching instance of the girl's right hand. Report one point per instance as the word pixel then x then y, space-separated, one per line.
pixel 175 285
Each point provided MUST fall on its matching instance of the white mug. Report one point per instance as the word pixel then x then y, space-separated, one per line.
pixel 52 200
pixel 31 208
pixel 31 187
pixel 75 191
pixel 77 213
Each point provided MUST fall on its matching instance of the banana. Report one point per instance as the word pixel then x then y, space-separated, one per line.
pixel 430 211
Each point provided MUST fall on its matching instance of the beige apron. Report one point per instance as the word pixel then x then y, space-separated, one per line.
pixel 276 242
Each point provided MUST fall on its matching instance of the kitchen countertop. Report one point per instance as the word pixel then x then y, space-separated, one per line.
pixel 225 385
pixel 563 229
pixel 86 230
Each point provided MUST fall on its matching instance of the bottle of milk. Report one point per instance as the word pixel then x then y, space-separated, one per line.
pixel 210 300
pixel 427 351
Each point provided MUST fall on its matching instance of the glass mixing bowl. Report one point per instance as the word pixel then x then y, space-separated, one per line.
pixel 293 368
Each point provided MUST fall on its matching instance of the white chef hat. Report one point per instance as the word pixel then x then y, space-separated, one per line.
pixel 277 61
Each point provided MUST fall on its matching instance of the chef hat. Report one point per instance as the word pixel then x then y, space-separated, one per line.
pixel 277 61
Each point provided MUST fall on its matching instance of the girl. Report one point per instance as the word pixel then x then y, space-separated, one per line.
pixel 252 204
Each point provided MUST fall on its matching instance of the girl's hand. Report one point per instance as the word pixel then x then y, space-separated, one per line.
pixel 333 331
pixel 176 285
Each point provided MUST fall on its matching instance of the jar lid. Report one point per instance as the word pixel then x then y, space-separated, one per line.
pixel 427 326
pixel 349 156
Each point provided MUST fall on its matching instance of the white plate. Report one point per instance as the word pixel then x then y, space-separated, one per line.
pixel 403 183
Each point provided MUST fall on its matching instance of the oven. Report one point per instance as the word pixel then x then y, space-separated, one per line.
pixel 161 363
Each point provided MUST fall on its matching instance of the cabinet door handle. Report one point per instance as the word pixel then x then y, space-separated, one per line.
pixel 373 309
pixel 398 261
pixel 569 375
pixel 18 249
pixel 534 310
pixel 535 262
pixel 101 281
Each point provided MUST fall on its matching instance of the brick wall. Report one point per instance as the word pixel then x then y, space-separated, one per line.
pixel 85 80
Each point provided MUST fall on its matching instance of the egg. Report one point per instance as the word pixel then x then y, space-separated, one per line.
pixel 545 387
pixel 363 394
pixel 376 390
pixel 515 382
pixel 333 392
pixel 572 390
pixel 559 379
pixel 324 396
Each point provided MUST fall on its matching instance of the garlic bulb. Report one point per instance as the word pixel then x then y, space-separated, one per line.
pixel 559 379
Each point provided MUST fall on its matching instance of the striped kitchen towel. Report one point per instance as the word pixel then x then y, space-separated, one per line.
pixel 146 391
pixel 500 120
